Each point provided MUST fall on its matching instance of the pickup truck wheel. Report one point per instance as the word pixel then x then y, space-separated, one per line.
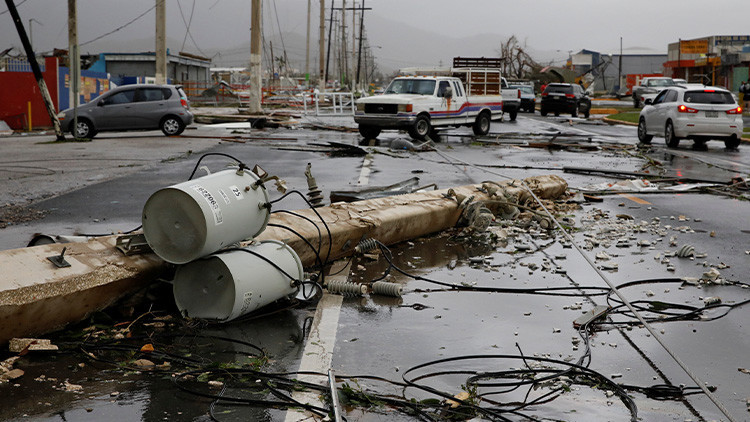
pixel 482 124
pixel 421 128
pixel 669 136
pixel 574 112
pixel 587 113
pixel 513 113
pixel 543 112
pixel 369 132
pixel 643 136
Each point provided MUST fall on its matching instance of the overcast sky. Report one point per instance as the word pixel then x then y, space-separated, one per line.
pixel 545 25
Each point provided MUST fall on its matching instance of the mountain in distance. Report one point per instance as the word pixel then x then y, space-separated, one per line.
pixel 395 45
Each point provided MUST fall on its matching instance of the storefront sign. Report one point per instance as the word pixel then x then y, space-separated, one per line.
pixel 694 47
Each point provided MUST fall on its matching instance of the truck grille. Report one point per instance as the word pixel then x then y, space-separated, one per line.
pixel 381 108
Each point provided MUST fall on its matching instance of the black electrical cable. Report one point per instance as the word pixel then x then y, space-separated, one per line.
pixel 209 154
pixel 325 225
pixel 309 220
pixel 307 242
pixel 242 165
pixel 548 291
pixel 268 261
pixel 573 370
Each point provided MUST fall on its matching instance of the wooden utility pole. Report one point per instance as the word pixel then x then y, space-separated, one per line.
pixel 328 53
pixel 354 42
pixel 161 42
pixel 361 32
pixel 30 55
pixel 74 61
pixel 74 55
pixel 256 80
pixel 344 63
pixel 321 42
pixel 307 47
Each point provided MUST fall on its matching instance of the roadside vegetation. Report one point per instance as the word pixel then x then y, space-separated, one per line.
pixel 625 116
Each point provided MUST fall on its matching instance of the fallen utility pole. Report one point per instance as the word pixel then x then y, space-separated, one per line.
pixel 40 294
pixel 31 57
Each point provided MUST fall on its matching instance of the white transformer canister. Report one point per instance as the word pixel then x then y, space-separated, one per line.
pixel 227 285
pixel 198 217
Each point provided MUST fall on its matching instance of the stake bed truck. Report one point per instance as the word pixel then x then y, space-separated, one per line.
pixel 428 99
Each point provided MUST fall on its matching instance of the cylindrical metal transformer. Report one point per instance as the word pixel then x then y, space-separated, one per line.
pixel 198 217
pixel 227 285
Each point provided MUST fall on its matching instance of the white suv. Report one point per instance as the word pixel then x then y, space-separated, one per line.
pixel 700 114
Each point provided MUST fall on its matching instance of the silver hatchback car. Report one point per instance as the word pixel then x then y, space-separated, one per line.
pixel 131 107
pixel 697 113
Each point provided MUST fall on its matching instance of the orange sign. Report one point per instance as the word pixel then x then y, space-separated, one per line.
pixel 694 47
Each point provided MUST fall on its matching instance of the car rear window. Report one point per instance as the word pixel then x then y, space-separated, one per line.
pixel 565 89
pixel 708 97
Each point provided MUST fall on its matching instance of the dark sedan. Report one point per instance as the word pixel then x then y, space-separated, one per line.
pixel 565 98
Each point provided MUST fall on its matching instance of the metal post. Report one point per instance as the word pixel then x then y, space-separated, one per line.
pixel 161 42
pixel 255 59
pixel 35 68
pixel 619 71
pixel 361 31
pixel 328 54
pixel 321 42
pixel 74 60
pixel 307 47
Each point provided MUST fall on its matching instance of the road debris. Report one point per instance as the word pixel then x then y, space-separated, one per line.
pixel 23 345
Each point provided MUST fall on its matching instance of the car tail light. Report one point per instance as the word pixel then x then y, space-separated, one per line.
pixel 737 110
pixel 709 90
pixel 184 103
pixel 685 109
pixel 569 96
pixel 519 93
pixel 544 94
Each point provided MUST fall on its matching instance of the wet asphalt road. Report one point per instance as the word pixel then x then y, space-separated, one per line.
pixel 386 337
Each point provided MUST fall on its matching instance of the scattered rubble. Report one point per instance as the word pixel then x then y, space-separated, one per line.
pixel 22 345
pixel 15 214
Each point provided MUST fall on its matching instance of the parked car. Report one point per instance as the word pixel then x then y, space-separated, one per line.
pixel 649 88
pixel 528 98
pixel 700 114
pixel 565 98
pixel 131 107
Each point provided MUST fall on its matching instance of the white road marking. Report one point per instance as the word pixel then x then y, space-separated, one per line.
pixel 318 354
pixel 364 175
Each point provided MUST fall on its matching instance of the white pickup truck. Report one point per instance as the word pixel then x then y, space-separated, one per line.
pixel 431 99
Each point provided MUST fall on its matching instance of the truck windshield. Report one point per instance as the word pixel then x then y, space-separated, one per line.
pixel 411 86
pixel 660 82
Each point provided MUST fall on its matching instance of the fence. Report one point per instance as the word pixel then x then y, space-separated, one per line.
pixel 332 104
pixel 305 100
pixel 10 64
